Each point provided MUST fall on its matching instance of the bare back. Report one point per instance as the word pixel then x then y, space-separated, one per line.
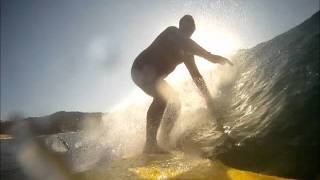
pixel 164 53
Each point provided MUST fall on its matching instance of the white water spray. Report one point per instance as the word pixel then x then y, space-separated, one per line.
pixel 125 123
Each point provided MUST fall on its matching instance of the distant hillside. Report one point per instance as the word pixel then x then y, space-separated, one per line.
pixel 58 122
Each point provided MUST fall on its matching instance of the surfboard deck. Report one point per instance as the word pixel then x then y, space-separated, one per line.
pixel 176 165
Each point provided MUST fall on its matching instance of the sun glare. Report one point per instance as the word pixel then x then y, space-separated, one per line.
pixel 218 41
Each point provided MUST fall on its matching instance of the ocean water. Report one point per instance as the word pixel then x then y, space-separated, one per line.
pixel 268 102
pixel 274 105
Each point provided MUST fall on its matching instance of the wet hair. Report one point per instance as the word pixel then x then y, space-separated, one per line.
pixel 187 21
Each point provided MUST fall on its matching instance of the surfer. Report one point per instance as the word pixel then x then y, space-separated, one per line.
pixel 172 47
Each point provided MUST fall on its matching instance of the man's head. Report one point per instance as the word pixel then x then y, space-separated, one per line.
pixel 187 25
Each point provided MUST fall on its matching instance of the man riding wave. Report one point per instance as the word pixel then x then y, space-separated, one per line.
pixel 172 47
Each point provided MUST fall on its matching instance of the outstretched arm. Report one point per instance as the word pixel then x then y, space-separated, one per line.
pixel 192 47
pixel 219 59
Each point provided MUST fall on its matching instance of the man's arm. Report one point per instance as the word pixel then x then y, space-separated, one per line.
pixel 192 47
pixel 197 77
pixel 199 81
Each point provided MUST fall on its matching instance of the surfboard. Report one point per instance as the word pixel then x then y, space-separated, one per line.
pixel 176 165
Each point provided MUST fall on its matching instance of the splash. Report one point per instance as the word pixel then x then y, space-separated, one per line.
pixel 125 123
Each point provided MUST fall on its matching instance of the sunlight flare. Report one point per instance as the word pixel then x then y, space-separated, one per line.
pixel 216 40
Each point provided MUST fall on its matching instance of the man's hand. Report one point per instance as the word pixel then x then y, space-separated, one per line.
pixel 223 60
pixel 219 59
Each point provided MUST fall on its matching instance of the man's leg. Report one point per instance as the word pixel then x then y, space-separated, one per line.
pixel 154 116
pixel 169 119
pixel 161 94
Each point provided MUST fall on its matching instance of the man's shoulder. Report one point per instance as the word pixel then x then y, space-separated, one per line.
pixel 171 29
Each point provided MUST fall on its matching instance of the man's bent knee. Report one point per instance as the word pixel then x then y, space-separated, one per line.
pixel 160 101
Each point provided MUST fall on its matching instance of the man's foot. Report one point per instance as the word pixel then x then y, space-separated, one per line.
pixel 154 149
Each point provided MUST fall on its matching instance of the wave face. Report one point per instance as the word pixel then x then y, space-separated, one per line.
pixel 274 104
pixel 275 80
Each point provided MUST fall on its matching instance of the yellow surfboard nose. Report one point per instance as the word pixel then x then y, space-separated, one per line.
pixel 176 165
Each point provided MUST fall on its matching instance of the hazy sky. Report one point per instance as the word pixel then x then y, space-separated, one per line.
pixel 76 55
